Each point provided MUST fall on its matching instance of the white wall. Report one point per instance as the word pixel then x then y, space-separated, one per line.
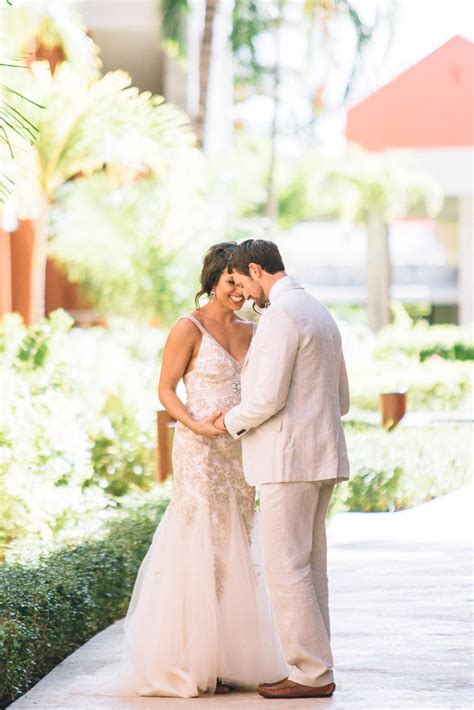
pixel 452 168
pixel 466 259
pixel 128 34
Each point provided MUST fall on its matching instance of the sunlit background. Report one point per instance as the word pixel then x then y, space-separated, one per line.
pixel 134 134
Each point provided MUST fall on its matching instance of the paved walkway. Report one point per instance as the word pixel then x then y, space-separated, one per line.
pixel 400 588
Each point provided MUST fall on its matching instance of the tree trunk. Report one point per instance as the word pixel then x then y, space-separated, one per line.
pixel 378 271
pixel 204 67
pixel 271 208
pixel 39 263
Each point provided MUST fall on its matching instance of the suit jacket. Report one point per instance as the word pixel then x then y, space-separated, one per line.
pixel 294 391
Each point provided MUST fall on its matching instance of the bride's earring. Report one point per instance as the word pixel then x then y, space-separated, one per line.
pixel 212 293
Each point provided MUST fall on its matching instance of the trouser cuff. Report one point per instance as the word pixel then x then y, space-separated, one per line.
pixel 298 676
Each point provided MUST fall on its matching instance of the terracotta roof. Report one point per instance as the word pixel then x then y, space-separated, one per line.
pixel 430 105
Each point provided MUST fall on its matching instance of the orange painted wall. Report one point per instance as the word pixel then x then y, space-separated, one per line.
pixel 16 278
pixel 22 259
pixel 62 293
pixel 431 105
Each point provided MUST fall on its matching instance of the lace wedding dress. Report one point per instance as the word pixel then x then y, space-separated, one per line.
pixel 200 609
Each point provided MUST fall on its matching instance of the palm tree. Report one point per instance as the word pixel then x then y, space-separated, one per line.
pixel 173 20
pixel 325 16
pixel 15 128
pixel 250 19
pixel 88 126
pixel 53 32
pixel 376 189
pixel 204 67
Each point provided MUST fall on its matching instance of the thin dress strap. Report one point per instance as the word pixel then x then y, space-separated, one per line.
pixel 194 320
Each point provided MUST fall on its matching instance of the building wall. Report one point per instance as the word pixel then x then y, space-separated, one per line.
pixel 128 34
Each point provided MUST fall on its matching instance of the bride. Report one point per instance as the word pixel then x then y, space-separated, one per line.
pixel 200 619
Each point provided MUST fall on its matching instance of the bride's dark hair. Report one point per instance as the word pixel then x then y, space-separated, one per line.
pixel 214 263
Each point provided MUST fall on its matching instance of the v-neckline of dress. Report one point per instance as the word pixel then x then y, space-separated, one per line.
pixel 204 331
pixel 237 362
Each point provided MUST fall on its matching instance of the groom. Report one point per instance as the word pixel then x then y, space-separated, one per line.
pixel 294 391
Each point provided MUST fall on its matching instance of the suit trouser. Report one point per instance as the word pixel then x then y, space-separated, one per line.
pixel 293 519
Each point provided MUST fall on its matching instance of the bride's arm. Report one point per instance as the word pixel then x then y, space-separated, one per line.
pixel 180 345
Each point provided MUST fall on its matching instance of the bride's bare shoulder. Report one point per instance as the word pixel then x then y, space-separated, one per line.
pixel 184 329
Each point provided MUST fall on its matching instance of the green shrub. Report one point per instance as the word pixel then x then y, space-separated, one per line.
pixel 457 351
pixel 431 385
pixel 136 277
pixel 431 363
pixel 124 456
pixel 421 341
pixel 374 491
pixel 399 469
pixel 52 604
pixel 77 425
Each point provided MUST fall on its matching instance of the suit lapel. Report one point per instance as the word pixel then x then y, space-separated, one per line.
pixel 246 358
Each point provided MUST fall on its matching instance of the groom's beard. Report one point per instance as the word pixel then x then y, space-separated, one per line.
pixel 260 299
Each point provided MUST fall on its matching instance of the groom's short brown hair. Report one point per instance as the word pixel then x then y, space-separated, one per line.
pixel 256 251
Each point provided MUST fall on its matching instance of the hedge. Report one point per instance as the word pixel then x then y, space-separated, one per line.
pixel 55 603
pixel 404 467
pixel 457 351
pixel 449 342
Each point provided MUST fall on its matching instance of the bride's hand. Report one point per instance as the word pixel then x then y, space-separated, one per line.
pixel 207 428
pixel 220 424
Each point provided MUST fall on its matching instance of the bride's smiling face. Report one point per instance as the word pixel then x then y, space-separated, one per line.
pixel 227 293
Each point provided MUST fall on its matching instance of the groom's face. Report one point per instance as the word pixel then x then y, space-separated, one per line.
pixel 251 289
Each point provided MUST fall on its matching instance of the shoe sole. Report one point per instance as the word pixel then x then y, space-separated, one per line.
pixel 292 697
pixel 270 696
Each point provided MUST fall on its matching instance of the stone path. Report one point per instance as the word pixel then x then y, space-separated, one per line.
pixel 402 625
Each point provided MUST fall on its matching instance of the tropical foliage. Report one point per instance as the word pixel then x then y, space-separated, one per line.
pixel 37 30
pixel 14 125
pixel 105 122
pixel 95 125
pixel 421 341
pixel 124 264
pixel 397 470
pixel 396 359
pixel 72 444
pixel 42 30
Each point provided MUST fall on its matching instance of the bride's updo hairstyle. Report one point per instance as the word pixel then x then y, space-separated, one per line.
pixel 215 262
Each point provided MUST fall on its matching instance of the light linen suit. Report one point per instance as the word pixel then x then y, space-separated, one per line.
pixel 294 391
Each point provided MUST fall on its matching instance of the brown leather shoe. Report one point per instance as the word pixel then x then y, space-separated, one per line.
pixel 289 689
pixel 275 682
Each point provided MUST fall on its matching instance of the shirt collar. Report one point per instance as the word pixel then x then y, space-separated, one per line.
pixel 281 285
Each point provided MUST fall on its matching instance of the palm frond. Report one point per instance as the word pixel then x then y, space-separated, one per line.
pixel 173 26
pixel 89 124
pixel 250 19
pixel 137 275
pixel 45 25
pixel 363 35
pixel 92 124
